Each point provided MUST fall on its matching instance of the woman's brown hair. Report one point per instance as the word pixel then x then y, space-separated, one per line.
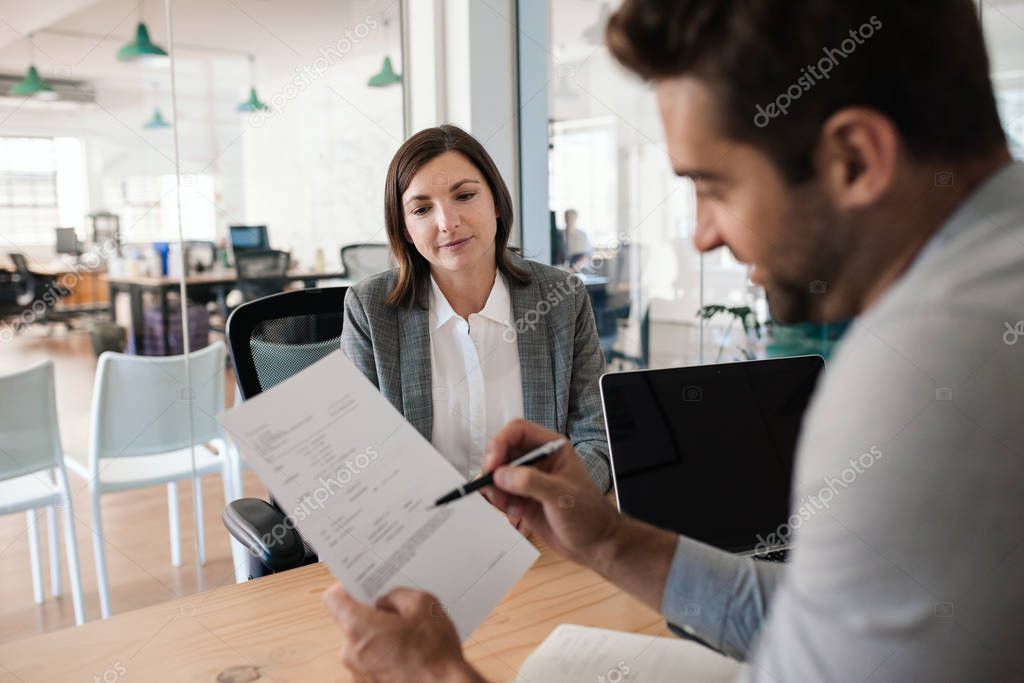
pixel 414 154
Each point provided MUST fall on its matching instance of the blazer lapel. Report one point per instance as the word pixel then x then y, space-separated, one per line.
pixel 533 340
pixel 414 358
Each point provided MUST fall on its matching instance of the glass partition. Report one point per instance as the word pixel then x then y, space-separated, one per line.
pixel 125 159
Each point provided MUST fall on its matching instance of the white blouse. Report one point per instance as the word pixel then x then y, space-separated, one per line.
pixel 475 376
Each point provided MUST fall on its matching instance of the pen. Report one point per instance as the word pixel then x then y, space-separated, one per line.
pixel 528 459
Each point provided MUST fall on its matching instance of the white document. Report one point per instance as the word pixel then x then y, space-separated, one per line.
pixel 580 654
pixel 358 481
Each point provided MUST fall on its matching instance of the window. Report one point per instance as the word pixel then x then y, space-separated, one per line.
pixel 147 206
pixel 29 209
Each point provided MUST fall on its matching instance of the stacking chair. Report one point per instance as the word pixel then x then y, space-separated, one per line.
pixel 32 473
pixel 261 273
pixel 366 259
pixel 140 437
pixel 270 340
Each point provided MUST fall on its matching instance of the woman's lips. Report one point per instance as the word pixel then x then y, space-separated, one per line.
pixel 456 244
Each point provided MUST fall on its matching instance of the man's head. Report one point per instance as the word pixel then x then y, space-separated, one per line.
pixel 813 129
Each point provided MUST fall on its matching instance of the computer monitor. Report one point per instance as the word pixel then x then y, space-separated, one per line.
pixel 708 450
pixel 249 238
pixel 67 242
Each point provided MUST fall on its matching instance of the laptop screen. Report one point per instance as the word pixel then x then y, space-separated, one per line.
pixel 708 450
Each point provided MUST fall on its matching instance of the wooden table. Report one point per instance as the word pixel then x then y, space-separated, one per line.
pixel 276 626
pixel 219 281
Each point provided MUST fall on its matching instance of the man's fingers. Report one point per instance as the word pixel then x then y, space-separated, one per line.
pixel 529 482
pixel 514 439
pixel 343 607
pixel 408 601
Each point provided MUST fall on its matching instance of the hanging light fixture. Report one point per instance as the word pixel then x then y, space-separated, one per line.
pixel 33 84
pixel 253 103
pixel 157 121
pixel 142 49
pixel 386 76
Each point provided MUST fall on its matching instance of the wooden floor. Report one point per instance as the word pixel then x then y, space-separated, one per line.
pixel 135 522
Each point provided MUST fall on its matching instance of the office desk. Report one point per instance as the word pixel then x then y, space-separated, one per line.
pixel 220 281
pixel 277 626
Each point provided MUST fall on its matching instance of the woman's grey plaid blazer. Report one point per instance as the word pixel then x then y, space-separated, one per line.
pixel 560 360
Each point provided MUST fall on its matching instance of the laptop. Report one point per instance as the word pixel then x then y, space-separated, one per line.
pixel 708 450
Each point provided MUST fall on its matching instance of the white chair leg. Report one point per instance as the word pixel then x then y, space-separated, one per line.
pixel 101 555
pixel 175 523
pixel 33 554
pixel 197 506
pixel 240 558
pixel 74 569
pixel 51 519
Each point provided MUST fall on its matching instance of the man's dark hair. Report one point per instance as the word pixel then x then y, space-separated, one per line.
pixel 920 63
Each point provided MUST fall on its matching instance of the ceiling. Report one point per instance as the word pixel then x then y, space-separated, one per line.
pixel 77 39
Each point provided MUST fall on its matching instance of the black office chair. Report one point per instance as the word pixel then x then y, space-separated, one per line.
pixel 366 259
pixel 261 273
pixel 270 340
pixel 29 287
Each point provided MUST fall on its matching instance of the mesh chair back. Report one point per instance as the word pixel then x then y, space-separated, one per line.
pixel 364 260
pixel 20 263
pixel 261 273
pixel 273 338
pixel 28 422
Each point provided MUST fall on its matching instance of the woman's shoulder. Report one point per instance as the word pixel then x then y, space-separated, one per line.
pixel 373 291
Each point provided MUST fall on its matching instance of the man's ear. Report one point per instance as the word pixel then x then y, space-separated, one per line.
pixel 858 152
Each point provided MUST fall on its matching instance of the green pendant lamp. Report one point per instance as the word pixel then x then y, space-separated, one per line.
pixel 142 49
pixel 253 103
pixel 385 77
pixel 156 121
pixel 33 84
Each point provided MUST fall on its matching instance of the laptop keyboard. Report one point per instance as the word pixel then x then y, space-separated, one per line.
pixel 774 556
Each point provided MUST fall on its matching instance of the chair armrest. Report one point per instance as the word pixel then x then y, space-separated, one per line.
pixel 263 531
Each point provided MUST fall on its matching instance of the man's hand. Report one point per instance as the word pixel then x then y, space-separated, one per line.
pixel 406 636
pixel 554 499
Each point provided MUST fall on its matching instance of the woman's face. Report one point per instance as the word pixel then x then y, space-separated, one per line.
pixel 450 215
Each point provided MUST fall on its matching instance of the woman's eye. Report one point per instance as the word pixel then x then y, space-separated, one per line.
pixel 466 196
pixel 419 211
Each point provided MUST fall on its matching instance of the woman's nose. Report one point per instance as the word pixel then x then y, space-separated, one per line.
pixel 447 217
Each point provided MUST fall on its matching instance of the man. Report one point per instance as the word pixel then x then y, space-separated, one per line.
pixel 577 243
pixel 852 153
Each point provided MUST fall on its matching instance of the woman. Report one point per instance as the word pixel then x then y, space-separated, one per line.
pixel 465 335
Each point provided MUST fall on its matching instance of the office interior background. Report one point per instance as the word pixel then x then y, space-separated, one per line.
pixel 286 115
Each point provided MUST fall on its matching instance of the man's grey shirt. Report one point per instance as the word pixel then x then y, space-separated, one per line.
pixel 908 497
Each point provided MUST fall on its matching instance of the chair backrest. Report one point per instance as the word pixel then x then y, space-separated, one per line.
pixel 200 255
pixel 363 260
pixel 20 263
pixel 29 435
pixel 141 405
pixel 261 273
pixel 273 338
